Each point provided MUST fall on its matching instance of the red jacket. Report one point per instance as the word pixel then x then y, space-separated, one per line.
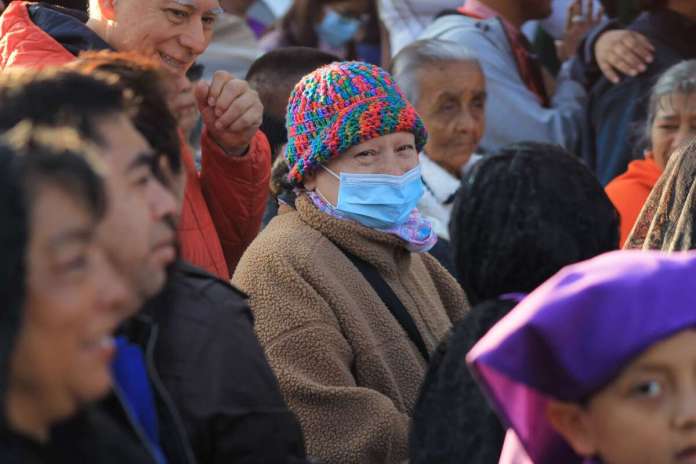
pixel 630 191
pixel 223 206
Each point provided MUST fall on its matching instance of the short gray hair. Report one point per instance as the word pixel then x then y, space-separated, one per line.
pixel 679 79
pixel 421 54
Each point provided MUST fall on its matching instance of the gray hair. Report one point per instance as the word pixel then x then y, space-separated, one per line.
pixel 421 54
pixel 679 79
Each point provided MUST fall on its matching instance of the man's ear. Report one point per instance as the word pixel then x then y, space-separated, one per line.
pixel 107 9
pixel 648 154
pixel 569 420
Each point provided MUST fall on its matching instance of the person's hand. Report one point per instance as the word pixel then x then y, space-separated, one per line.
pixel 579 21
pixel 622 51
pixel 231 110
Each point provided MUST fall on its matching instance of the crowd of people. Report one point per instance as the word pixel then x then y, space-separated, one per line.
pixel 347 231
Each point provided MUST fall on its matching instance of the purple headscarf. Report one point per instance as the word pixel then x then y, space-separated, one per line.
pixel 570 337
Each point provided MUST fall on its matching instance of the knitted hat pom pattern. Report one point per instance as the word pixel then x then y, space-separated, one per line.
pixel 342 105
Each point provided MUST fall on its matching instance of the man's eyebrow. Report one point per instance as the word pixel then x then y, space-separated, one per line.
pixel 144 159
pixel 192 4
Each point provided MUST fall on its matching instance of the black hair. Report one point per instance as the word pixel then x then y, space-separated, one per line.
pixel 273 76
pixel 286 63
pixel 144 80
pixel 452 422
pixel 60 98
pixel 13 246
pixel 522 215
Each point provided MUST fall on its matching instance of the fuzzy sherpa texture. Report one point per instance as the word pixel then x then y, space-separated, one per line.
pixel 341 105
pixel 344 364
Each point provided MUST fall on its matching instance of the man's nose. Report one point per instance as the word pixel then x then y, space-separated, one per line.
pixel 162 201
pixel 194 38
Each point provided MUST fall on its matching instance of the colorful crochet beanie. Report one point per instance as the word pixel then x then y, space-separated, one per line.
pixel 341 105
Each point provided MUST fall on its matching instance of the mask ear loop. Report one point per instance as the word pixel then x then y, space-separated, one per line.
pixel 321 194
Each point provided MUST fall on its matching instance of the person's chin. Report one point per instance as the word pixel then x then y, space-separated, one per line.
pixel 93 382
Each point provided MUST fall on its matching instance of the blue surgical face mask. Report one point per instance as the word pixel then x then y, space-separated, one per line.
pixel 378 201
pixel 337 30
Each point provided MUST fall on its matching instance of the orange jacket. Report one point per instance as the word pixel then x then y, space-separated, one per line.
pixel 223 206
pixel 630 190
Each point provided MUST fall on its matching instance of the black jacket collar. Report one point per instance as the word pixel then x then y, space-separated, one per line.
pixel 67 27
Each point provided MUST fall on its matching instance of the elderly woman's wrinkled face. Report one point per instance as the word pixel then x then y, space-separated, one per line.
pixel 174 32
pixel 74 302
pixel 393 154
pixel 674 124
pixel 452 104
pixel 647 415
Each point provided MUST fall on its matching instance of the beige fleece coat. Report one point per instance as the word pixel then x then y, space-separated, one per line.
pixel 345 365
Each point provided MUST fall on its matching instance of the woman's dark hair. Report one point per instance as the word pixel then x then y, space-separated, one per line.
pixel 29 160
pixel 522 215
pixel 143 78
pixel 452 422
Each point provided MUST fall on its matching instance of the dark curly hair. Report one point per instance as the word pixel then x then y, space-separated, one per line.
pixel 522 215
pixel 452 422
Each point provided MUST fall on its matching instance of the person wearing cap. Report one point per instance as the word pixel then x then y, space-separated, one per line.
pixel 598 364
pixel 348 303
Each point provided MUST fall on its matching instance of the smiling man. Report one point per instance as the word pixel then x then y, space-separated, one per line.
pixel 223 205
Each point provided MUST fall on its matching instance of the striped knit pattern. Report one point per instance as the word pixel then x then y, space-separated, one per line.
pixel 342 105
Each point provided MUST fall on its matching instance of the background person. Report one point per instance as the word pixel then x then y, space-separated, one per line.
pixel 274 76
pixel 514 77
pixel 445 83
pixel 671 121
pixel 617 110
pixel 347 28
pixel 666 222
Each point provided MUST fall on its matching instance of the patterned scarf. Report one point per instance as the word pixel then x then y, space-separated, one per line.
pixel 417 231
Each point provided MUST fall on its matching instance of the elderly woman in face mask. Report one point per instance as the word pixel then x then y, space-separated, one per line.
pixel 348 302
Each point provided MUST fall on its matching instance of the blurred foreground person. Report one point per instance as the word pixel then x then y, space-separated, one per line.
pixel 205 333
pixel 626 398
pixel 142 210
pixel 63 302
